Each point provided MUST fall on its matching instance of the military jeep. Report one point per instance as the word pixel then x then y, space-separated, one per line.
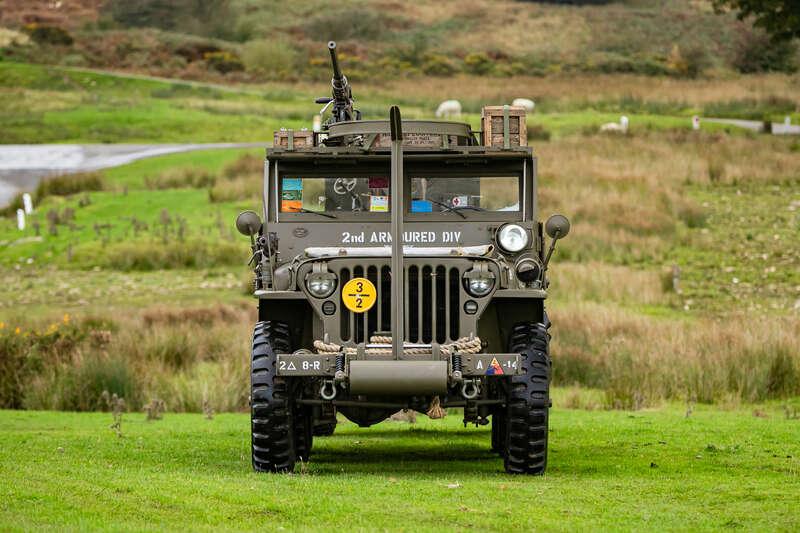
pixel 400 265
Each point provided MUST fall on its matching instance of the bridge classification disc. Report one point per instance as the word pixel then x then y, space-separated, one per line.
pixel 359 295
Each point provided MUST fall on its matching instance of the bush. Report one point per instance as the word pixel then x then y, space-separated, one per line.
pixel 42 34
pixel 756 52
pixel 81 386
pixel 240 188
pixel 689 63
pixel 438 65
pixel 274 58
pixel 478 63
pixel 26 353
pixel 224 61
pixel 68 184
pixel 189 177
pixel 244 165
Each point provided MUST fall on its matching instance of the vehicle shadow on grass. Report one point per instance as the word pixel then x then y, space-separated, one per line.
pixel 384 451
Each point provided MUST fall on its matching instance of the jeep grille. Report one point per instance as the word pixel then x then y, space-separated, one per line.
pixel 433 296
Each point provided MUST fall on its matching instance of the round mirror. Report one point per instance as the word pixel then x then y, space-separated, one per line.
pixel 248 223
pixel 557 226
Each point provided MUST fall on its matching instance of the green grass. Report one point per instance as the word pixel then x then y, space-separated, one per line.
pixel 108 218
pixel 656 470
pixel 50 104
pixel 41 104
pixel 748 254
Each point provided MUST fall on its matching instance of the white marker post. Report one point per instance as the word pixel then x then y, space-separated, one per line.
pixel 27 202
pixel 20 219
pixel 695 123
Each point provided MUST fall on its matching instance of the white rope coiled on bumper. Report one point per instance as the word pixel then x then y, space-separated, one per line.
pixel 462 345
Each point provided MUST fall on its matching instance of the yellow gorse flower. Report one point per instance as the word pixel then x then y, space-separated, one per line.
pixel 66 318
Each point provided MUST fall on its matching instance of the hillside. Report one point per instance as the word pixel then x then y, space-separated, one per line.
pixel 134 277
pixel 243 40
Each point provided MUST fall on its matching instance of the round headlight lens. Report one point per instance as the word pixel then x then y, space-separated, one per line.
pixel 480 286
pixel 512 238
pixel 321 286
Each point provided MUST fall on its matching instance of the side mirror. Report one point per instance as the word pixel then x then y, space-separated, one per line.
pixel 557 226
pixel 248 223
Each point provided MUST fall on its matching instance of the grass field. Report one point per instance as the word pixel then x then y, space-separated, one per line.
pixel 655 469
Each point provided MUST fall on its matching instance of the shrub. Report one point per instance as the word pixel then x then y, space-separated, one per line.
pixel 80 387
pixel 240 188
pixel 68 184
pixel 478 63
pixel 438 65
pixel 756 52
pixel 246 164
pixel 43 34
pixel 224 61
pixel 188 177
pixel 275 58
pixel 688 63
pixel 25 353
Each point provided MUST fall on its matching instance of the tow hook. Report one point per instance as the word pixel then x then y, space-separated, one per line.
pixel 328 390
pixel 470 389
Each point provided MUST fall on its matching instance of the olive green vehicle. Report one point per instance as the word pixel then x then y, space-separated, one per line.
pixel 400 264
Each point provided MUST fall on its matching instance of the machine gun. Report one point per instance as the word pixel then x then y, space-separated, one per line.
pixel 342 99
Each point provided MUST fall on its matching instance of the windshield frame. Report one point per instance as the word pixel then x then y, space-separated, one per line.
pixel 519 169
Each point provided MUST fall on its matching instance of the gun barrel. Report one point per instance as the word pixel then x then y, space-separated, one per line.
pixel 337 74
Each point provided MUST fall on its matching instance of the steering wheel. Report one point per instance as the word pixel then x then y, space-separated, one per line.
pixel 344 185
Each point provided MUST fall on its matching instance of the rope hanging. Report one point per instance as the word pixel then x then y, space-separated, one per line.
pixel 462 345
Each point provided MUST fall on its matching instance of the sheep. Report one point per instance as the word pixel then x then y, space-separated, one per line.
pixel 616 127
pixel 524 102
pixel 449 108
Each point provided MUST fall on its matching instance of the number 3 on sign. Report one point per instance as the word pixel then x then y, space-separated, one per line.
pixel 359 295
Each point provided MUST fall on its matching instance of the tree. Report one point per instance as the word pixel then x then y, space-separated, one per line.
pixel 780 18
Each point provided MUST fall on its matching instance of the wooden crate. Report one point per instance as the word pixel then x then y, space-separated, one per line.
pixel 492 119
pixel 300 139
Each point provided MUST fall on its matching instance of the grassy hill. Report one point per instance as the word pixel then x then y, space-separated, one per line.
pixel 150 246
pixel 246 40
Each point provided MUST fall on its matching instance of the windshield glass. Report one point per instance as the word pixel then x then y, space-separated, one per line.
pixel 496 193
pixel 335 195
pixel 371 194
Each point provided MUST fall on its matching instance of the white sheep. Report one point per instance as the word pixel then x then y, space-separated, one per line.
pixel 524 102
pixel 449 108
pixel 617 127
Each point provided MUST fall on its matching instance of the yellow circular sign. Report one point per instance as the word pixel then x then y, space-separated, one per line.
pixel 359 295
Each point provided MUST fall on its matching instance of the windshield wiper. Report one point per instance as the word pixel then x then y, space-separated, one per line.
pixel 448 207
pixel 471 207
pixel 320 213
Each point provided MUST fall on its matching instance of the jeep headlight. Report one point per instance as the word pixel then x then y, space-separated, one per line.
pixel 512 238
pixel 479 283
pixel 321 284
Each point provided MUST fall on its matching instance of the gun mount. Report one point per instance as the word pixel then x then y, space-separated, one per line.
pixel 342 94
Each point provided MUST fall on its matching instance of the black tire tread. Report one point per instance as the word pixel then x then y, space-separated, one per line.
pixel 271 423
pixel 528 406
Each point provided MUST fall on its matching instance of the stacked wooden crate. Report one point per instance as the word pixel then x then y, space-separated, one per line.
pixel 504 126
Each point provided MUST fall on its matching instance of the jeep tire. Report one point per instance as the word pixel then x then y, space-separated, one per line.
pixel 528 401
pixel 272 420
